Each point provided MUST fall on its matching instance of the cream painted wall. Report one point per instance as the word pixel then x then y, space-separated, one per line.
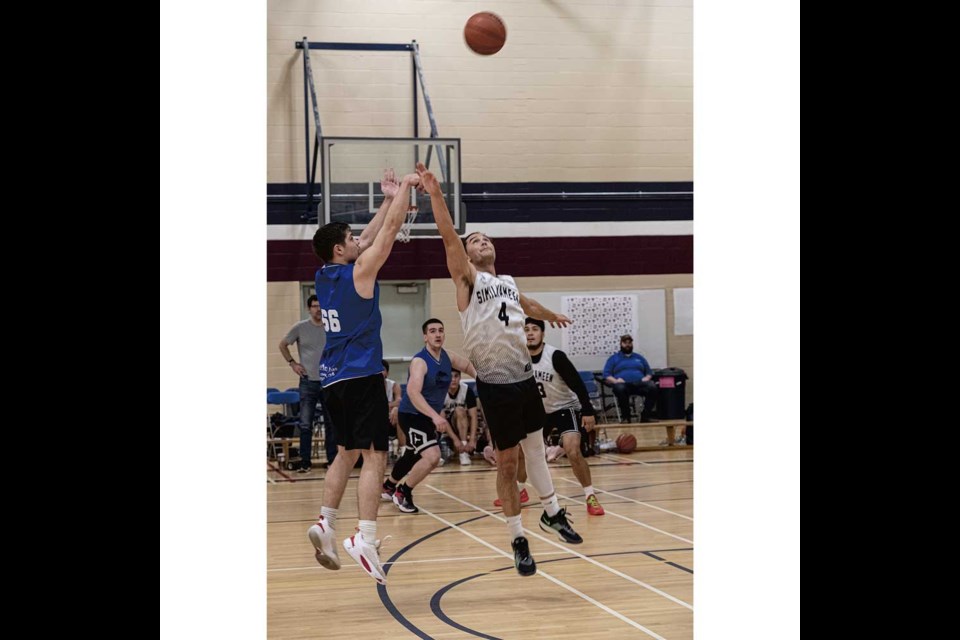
pixel 582 91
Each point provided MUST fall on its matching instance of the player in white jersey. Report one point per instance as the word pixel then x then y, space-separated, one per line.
pixel 566 402
pixel 492 312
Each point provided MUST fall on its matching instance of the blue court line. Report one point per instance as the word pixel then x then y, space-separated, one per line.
pixel 382 589
pixel 438 611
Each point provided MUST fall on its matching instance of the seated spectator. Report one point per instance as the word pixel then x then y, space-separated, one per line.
pixel 629 374
pixel 460 409
pixel 393 402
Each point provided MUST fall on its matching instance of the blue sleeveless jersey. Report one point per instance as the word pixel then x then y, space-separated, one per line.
pixel 352 325
pixel 435 382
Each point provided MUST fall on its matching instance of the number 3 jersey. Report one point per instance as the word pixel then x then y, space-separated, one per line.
pixel 493 336
pixel 554 391
pixel 352 325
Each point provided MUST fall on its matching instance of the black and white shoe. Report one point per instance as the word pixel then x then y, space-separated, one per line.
pixel 522 559
pixel 558 524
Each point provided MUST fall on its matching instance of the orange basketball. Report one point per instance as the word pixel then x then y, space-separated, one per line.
pixel 626 443
pixel 485 33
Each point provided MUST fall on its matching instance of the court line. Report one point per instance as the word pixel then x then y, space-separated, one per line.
pixel 637 582
pixel 543 574
pixel 674 513
pixel 278 471
pixel 607 456
pixel 623 517
pixel 647 552
pixel 437 609
pixel 450 559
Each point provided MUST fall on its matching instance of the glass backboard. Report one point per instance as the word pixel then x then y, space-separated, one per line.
pixel 353 167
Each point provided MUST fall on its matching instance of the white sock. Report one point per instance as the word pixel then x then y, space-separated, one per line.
pixel 550 505
pixel 368 531
pixel 515 526
pixel 588 491
pixel 330 515
pixel 520 486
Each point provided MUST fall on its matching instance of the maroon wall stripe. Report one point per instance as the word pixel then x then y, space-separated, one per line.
pixel 289 260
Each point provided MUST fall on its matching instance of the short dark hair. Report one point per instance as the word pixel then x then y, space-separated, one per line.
pixel 429 322
pixel 473 233
pixel 327 237
pixel 454 371
pixel 311 300
pixel 539 323
pixel 386 365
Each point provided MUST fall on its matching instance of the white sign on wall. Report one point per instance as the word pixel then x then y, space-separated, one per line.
pixel 595 320
pixel 599 320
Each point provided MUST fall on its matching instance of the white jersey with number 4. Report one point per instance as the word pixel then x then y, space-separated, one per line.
pixel 493 336
pixel 554 391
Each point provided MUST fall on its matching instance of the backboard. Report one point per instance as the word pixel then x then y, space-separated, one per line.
pixel 352 169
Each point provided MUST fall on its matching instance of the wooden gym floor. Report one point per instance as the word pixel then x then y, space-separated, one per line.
pixel 451 569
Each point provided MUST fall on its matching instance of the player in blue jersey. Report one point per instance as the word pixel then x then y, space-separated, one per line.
pixel 351 370
pixel 421 414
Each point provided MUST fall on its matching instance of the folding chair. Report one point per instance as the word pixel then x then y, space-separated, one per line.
pixel 593 391
pixel 290 400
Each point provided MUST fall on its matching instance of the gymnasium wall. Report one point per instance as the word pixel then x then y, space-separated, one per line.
pixel 585 97
pixel 582 92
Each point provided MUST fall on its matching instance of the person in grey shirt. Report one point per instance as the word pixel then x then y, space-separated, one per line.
pixel 309 336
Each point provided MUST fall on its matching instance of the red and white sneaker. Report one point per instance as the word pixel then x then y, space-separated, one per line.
pixel 322 536
pixel 524 498
pixel 593 506
pixel 367 556
pixel 386 493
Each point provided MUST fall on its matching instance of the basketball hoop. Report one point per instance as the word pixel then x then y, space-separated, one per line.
pixel 404 234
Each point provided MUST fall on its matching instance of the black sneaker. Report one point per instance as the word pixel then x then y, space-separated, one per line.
pixel 304 469
pixel 558 524
pixel 522 559
pixel 403 498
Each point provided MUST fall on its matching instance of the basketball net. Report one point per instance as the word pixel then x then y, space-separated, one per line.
pixel 404 234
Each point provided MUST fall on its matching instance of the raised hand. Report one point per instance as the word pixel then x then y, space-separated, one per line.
pixel 389 185
pixel 427 180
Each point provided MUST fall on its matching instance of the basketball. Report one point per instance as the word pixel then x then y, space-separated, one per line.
pixel 485 33
pixel 626 443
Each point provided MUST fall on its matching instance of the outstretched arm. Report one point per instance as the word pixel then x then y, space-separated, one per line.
pixel 390 187
pixel 459 266
pixel 536 310
pixel 370 261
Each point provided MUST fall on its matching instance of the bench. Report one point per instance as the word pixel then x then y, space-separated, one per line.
pixel 671 426
pixel 284 457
